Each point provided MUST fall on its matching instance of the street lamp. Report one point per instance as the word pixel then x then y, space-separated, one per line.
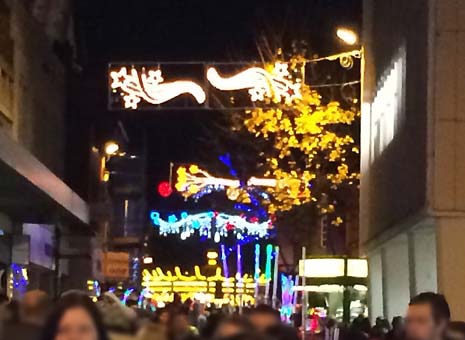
pixel 111 147
pixel 347 35
pixel 148 260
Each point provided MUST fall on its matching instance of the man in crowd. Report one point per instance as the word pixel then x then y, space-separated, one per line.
pixel 264 317
pixel 428 315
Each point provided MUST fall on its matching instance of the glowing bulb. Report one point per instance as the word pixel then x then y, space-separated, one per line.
pixel 148 260
pixel 217 237
pixel 111 148
pixel 346 35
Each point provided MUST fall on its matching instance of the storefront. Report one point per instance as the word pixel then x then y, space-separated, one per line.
pixel 38 212
pixel 335 287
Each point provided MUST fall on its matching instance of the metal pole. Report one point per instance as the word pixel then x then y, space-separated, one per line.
pixel 275 278
pixel 304 296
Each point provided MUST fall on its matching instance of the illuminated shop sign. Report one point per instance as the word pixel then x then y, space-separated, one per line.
pixel 333 268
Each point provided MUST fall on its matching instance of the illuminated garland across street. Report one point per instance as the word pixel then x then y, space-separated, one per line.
pixel 275 83
pixel 149 86
pixel 212 225
pixel 135 85
pixel 193 181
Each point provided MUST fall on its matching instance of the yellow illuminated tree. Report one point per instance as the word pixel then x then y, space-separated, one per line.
pixel 314 153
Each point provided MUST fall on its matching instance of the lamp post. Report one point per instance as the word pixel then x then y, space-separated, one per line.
pixel 350 37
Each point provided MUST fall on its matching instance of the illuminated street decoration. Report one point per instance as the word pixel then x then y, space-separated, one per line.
pixel 147 84
pixel 192 181
pixel 212 225
pixel 224 260
pixel 135 86
pixel 19 281
pixel 276 84
pixel 287 297
pixel 126 295
pixel 160 286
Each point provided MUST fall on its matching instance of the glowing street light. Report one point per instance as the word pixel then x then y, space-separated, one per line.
pixel 347 35
pixel 111 148
pixel 212 255
pixel 148 260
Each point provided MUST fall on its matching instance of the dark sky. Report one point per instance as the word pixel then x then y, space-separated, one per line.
pixel 174 30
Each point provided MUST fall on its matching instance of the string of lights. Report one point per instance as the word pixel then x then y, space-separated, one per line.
pixel 212 225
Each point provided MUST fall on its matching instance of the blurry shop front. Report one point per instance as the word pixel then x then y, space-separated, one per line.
pixel 335 287
pixel 39 214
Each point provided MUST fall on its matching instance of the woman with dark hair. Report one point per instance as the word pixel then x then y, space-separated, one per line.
pixel 75 317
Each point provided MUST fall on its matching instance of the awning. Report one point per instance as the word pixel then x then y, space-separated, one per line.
pixel 30 192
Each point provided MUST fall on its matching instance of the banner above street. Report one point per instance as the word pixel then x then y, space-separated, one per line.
pixel 150 86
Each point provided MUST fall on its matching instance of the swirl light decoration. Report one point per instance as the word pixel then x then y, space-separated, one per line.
pixel 150 86
pixel 212 225
pixel 193 181
pixel 275 84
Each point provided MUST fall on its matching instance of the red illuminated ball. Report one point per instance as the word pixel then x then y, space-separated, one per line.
pixel 164 189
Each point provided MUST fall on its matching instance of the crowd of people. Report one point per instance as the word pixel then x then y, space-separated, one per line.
pixel 76 317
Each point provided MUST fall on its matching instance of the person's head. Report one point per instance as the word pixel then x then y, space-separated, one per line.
pixel 330 323
pixel 397 324
pixel 427 317
pixel 455 331
pixel 34 307
pixel 282 332
pixel 231 327
pixel 75 317
pixel 152 331
pixel 263 317
pixel 178 321
pixel 162 316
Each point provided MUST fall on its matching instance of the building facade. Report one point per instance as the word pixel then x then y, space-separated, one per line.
pixel 41 216
pixel 412 195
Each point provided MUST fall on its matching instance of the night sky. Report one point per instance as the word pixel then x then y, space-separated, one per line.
pixel 174 30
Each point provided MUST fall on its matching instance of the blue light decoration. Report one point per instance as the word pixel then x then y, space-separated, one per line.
pixel 254 208
pixel 97 288
pixel 140 300
pixel 257 263
pixel 226 159
pixel 287 297
pixel 18 280
pixel 211 225
pixel 135 269
pixel 239 262
pixel 208 190
pixel 224 260
pixel 126 295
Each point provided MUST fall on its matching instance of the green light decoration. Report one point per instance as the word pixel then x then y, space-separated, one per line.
pixel 269 254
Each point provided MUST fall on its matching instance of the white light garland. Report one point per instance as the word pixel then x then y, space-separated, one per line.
pixel 150 86
pixel 210 224
pixel 261 84
pixel 136 85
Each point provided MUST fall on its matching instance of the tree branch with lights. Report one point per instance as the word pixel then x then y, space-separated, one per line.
pixel 314 151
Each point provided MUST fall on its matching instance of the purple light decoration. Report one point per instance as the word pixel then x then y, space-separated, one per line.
pixel 287 297
pixel 239 261
pixel 224 259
